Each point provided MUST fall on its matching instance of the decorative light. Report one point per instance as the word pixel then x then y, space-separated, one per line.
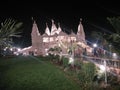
pixel 114 55
pixel 102 68
pixel 94 45
pixel 5 48
pixel 71 60
pixel 19 49
pixel 11 49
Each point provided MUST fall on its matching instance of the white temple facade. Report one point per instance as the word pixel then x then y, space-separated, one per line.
pixel 54 37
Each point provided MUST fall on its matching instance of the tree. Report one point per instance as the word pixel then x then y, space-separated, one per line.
pixel 9 28
pixel 114 37
pixel 115 22
pixel 101 38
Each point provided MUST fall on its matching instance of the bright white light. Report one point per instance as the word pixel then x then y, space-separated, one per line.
pixel 26 48
pixel 11 49
pixel 71 60
pixel 16 53
pixel 114 54
pixel 5 48
pixel 102 68
pixel 19 49
pixel 94 45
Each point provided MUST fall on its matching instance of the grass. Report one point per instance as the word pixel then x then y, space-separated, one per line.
pixel 32 73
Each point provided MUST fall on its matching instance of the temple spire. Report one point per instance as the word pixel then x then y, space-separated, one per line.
pixel 53 28
pixel 47 31
pixel 35 28
pixel 81 33
pixel 59 29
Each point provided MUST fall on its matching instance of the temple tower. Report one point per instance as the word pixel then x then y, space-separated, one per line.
pixel 36 39
pixel 81 33
pixel 53 28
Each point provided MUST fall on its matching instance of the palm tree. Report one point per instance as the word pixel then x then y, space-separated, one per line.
pixel 115 22
pixel 100 38
pixel 114 38
pixel 9 28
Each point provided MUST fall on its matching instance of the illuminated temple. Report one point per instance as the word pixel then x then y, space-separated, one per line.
pixel 53 37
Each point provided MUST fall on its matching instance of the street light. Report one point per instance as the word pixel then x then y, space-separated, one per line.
pixel 105 72
pixel 94 49
pixel 110 49
pixel 94 45
pixel 114 55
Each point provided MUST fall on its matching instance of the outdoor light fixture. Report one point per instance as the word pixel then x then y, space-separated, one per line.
pixel 94 45
pixel 102 68
pixel 11 49
pixel 114 55
pixel 5 48
pixel 19 49
pixel 71 60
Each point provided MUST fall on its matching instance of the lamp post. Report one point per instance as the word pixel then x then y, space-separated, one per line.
pixel 103 69
pixel 105 72
pixel 94 45
pixel 110 50
pixel 94 49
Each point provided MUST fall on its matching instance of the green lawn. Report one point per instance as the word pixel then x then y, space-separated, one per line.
pixel 32 73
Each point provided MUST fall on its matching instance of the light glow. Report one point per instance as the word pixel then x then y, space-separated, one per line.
pixel 19 49
pixel 94 45
pixel 71 60
pixel 102 68
pixel 114 54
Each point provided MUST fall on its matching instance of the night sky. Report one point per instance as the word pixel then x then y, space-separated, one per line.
pixel 94 16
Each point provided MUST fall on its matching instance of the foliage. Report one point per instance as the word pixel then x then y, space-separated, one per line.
pixel 113 80
pixel 114 37
pixel 86 75
pixel 51 49
pixel 115 22
pixel 55 50
pixel 101 38
pixel 65 62
pixel 9 28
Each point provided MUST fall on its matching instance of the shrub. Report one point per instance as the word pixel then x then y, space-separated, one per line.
pixel 65 62
pixel 87 74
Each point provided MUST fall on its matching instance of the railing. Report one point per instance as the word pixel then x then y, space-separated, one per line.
pixel 113 66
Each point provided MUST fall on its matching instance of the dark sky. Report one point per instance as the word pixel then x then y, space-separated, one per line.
pixel 94 15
